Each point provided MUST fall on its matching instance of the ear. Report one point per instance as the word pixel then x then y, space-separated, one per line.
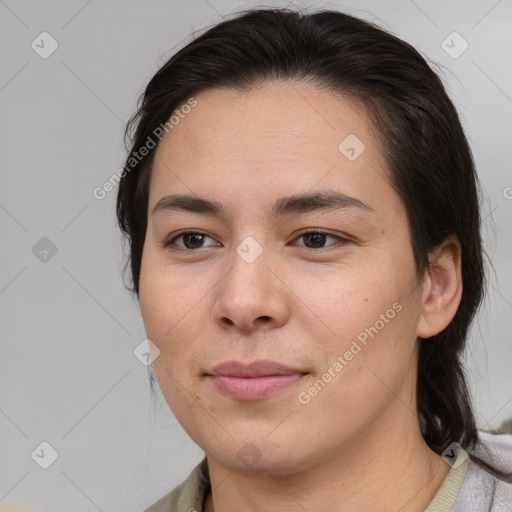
pixel 442 289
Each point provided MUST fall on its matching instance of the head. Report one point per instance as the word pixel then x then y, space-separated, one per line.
pixel 273 104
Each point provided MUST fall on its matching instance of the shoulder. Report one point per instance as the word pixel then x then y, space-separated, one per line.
pixel 188 496
pixel 171 501
pixel 164 504
pixel 482 490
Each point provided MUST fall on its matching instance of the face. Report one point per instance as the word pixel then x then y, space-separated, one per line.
pixel 337 306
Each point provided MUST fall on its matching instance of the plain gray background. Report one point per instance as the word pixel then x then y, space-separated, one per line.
pixel 68 374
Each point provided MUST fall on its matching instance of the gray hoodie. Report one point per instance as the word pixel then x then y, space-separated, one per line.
pixel 480 490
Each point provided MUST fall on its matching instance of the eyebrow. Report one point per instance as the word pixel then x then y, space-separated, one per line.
pixel 295 204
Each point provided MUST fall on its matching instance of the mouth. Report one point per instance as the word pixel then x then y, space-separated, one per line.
pixel 255 381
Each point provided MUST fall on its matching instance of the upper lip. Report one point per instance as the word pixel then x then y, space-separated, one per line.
pixel 255 369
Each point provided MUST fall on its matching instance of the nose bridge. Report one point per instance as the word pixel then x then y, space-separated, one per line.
pixel 249 290
pixel 249 268
pixel 250 250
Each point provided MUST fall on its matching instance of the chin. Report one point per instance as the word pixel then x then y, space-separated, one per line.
pixel 259 455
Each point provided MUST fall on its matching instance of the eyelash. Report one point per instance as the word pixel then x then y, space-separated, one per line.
pixel 171 241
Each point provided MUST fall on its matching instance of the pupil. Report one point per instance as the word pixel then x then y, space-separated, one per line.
pixel 319 238
pixel 186 239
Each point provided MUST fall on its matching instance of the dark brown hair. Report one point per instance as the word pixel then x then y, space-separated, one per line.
pixel 424 144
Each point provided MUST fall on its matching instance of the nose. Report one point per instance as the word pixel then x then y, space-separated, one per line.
pixel 251 294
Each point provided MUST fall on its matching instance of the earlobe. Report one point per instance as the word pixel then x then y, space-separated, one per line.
pixel 442 288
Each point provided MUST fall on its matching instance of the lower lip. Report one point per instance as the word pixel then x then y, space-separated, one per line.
pixel 253 388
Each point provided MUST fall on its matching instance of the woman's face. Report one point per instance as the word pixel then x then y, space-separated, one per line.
pixel 338 308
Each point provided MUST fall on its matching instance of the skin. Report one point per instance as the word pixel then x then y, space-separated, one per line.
pixel 357 445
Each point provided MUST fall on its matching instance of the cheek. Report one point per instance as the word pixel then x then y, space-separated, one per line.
pixel 172 319
pixel 166 299
pixel 162 306
pixel 366 368
pixel 367 318
pixel 175 310
pixel 338 302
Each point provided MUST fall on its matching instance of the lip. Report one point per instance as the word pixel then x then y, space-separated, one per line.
pixel 254 381
pixel 261 368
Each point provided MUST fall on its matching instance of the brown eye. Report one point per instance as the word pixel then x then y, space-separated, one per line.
pixel 191 240
pixel 317 239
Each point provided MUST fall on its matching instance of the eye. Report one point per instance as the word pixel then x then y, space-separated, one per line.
pixel 193 240
pixel 315 239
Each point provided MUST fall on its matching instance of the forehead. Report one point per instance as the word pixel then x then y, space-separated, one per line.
pixel 281 116
pixel 279 134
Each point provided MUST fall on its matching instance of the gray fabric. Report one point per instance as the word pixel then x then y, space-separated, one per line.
pixel 481 491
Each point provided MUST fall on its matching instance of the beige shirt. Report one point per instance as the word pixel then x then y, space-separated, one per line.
pixel 190 495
